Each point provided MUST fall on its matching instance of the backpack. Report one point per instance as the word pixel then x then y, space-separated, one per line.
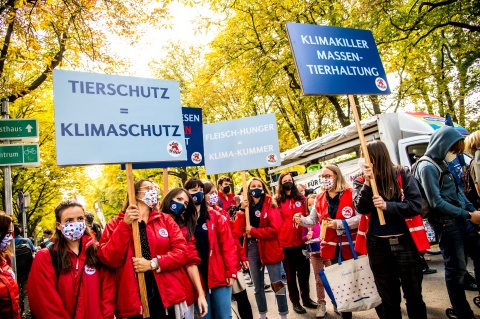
pixel 23 258
pixel 425 205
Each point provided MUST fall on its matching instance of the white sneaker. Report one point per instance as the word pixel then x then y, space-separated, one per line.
pixel 321 309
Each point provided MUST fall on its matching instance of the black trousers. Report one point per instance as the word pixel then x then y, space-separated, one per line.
pixel 296 265
pixel 396 266
pixel 243 304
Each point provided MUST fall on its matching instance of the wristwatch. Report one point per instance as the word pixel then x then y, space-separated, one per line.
pixel 153 264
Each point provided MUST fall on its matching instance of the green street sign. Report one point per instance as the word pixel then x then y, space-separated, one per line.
pixel 26 155
pixel 25 130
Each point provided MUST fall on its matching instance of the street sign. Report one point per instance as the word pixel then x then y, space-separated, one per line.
pixel 26 155
pixel 25 130
pixel 20 202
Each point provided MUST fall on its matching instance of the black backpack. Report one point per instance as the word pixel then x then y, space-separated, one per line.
pixel 23 258
pixel 425 205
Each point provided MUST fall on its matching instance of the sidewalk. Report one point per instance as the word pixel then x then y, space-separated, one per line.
pixel 434 294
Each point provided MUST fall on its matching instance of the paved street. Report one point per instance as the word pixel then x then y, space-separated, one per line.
pixel 434 294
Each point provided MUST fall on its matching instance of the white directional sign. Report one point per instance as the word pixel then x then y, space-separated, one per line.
pixel 102 119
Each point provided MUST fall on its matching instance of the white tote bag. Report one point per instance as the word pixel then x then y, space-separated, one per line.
pixel 350 284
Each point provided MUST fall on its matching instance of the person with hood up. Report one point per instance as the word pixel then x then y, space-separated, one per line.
pixel 452 215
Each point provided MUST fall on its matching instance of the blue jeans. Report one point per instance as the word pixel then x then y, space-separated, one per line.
pixel 457 237
pixel 258 278
pixel 219 302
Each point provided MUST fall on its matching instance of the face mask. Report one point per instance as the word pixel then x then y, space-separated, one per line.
pixel 73 231
pixel 226 189
pixel 310 208
pixel 450 156
pixel 256 192
pixel 213 199
pixel 197 198
pixel 6 242
pixel 361 163
pixel 176 208
pixel 151 197
pixel 326 183
pixel 287 186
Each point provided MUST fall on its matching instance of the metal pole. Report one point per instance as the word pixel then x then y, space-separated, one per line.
pixel 26 205
pixel 7 184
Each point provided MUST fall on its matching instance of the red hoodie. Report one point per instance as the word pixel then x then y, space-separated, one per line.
pixel 96 297
pixel 9 295
pixel 166 243
pixel 267 233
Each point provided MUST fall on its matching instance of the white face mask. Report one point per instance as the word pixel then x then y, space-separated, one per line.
pixel 450 156
pixel 326 183
pixel 151 197
pixel 73 231
pixel 361 163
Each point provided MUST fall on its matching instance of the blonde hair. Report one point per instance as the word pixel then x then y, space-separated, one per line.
pixel 472 142
pixel 341 184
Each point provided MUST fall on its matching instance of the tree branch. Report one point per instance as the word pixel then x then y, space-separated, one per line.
pixel 6 42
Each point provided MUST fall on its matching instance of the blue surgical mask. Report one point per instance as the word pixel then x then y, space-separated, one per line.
pixel 197 197
pixel 176 207
pixel 256 192
pixel 6 242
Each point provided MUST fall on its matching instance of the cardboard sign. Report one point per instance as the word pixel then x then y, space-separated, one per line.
pixel 107 119
pixel 334 60
pixel 242 144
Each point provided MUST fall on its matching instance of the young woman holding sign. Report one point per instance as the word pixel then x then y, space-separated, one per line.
pixel 261 243
pixel 164 256
pixel 215 245
pixel 78 285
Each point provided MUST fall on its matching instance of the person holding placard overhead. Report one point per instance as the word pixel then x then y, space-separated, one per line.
pixel 392 249
pixel 164 256
pixel 216 248
pixel 67 279
pixel 332 205
pixel 187 220
pixel 262 244
pixel 290 202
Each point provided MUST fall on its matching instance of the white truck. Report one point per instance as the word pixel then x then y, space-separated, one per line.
pixel 406 136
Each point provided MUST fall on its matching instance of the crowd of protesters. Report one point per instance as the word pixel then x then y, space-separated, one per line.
pixel 197 243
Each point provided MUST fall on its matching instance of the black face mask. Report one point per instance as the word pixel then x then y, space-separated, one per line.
pixel 287 186
pixel 226 189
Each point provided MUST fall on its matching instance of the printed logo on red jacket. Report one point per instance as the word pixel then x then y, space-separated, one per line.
pixel 163 232
pixel 298 204
pixel 90 270
pixel 347 212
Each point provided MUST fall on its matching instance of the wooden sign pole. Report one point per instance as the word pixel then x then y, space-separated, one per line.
pixel 245 196
pixel 323 231
pixel 165 182
pixel 136 240
pixel 363 145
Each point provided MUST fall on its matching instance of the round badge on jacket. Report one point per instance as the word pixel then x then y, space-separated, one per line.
pixel 204 226
pixel 257 213
pixel 163 232
pixel 347 212
pixel 90 270
pixel 298 204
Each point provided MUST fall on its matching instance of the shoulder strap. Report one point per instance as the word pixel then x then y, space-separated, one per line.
pixel 54 256
pixel 430 160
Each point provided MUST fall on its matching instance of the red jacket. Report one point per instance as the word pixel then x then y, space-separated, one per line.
pixel 9 295
pixel 192 259
pixel 345 211
pixel 240 251
pixel 222 261
pixel 291 234
pixel 166 243
pixel 96 297
pixel 269 246
pixel 227 201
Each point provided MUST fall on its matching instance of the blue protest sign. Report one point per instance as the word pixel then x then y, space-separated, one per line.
pixel 334 60
pixel 108 119
pixel 242 144
pixel 192 122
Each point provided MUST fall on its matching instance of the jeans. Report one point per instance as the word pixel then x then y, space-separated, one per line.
pixel 297 266
pixel 258 277
pixel 395 266
pixel 219 302
pixel 455 238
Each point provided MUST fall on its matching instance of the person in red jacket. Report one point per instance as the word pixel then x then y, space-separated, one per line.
pixel 239 291
pixel 215 246
pixel 78 285
pixel 9 293
pixel 164 256
pixel 187 221
pixel 262 244
pixel 226 198
pixel 296 265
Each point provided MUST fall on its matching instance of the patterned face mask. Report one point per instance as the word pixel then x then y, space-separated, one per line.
pixel 151 197
pixel 6 242
pixel 326 183
pixel 213 199
pixel 73 231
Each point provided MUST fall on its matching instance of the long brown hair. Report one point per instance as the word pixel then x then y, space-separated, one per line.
pixel 384 170
pixel 61 243
pixel 5 222
pixel 281 195
pixel 266 191
pixel 188 218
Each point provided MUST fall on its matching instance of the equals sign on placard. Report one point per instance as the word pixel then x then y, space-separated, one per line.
pixel 124 111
